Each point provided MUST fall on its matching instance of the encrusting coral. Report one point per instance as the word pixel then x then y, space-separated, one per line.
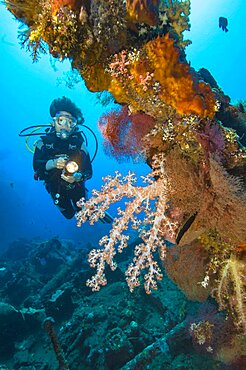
pixel 177 13
pixel 153 78
pixel 172 116
pixel 143 11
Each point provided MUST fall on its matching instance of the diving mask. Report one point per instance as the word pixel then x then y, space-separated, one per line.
pixel 65 120
pixel 65 124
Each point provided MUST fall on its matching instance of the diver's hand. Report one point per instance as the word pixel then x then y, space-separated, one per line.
pixel 69 179
pixel 59 163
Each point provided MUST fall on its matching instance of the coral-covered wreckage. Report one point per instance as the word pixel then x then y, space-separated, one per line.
pixel 176 119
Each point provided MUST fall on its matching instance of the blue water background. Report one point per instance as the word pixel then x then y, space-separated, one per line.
pixel 27 90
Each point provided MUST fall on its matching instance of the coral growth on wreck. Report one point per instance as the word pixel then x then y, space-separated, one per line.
pixel 135 50
pixel 143 11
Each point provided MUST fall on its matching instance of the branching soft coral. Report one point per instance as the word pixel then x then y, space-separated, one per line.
pixel 230 292
pixel 155 226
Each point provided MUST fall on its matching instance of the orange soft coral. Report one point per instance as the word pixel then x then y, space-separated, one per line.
pixel 178 87
pixel 143 11
pixel 157 79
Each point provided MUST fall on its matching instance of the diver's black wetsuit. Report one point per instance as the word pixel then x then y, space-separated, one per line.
pixel 64 194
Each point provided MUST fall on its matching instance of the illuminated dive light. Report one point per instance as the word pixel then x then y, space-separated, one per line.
pixel 71 167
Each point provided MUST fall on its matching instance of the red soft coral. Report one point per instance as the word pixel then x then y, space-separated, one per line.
pixel 123 133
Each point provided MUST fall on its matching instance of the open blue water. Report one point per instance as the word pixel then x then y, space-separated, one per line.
pixel 27 90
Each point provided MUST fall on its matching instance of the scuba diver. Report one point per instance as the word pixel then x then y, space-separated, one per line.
pixel 61 158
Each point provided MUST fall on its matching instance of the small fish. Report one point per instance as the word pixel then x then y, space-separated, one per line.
pixel 223 23
pixel 185 227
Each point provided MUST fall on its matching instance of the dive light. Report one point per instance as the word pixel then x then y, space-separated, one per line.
pixel 70 168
